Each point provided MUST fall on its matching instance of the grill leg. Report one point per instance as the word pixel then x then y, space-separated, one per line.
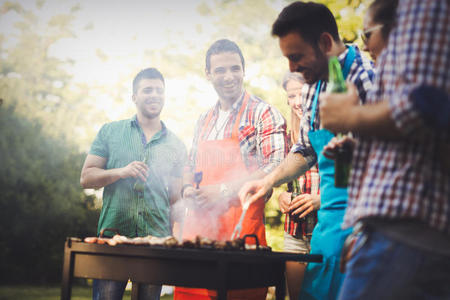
pixel 280 288
pixel 135 290
pixel 66 287
pixel 222 276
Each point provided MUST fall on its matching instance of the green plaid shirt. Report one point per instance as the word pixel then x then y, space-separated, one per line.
pixel 135 213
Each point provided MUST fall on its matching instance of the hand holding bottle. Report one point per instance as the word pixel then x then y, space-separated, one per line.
pixel 343 155
pixel 331 149
pixel 139 185
pixel 284 200
pixel 304 204
pixel 135 169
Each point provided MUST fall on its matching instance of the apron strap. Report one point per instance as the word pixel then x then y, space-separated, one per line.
pixel 316 96
pixel 205 125
pixel 235 132
pixel 349 58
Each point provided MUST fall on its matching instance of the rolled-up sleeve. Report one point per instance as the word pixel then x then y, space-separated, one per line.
pixel 271 139
pixel 421 56
pixel 303 145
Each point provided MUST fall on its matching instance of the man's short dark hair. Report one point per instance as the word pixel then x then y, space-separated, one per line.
pixel 308 19
pixel 149 73
pixel 221 46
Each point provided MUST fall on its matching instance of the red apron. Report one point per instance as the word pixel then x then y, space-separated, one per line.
pixel 221 161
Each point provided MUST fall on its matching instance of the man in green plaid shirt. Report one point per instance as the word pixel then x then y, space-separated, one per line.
pixel 139 162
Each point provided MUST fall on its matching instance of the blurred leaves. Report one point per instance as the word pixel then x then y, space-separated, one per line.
pixel 8 5
pixel 41 201
pixel 38 84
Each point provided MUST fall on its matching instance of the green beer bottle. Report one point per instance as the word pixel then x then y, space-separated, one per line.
pixel 336 81
pixel 139 185
pixel 343 159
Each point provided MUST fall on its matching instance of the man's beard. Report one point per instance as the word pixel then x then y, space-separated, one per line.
pixel 151 114
pixel 317 71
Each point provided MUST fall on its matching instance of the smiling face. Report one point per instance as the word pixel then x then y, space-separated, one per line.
pixel 226 73
pixel 294 92
pixel 149 97
pixel 304 58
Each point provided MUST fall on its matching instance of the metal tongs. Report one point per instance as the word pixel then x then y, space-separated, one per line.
pixel 237 230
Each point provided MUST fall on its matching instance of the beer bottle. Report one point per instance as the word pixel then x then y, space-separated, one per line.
pixel 310 222
pixel 294 193
pixel 139 185
pixel 343 159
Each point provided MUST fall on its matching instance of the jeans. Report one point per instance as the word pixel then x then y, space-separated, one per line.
pixel 385 269
pixel 113 290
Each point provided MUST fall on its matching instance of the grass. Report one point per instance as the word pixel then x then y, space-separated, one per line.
pixel 31 292
pixel 27 292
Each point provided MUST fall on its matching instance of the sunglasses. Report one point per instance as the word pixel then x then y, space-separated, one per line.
pixel 365 35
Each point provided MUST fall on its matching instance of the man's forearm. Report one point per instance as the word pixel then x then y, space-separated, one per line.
pixel 290 168
pixel 236 185
pixel 175 189
pixel 95 178
pixel 374 120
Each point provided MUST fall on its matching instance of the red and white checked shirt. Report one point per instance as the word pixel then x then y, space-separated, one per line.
pixel 262 134
pixel 406 178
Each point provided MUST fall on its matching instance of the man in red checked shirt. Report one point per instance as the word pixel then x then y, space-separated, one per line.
pixel 240 138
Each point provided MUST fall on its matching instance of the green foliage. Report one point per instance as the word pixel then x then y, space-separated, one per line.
pixel 275 221
pixel 36 83
pixel 41 201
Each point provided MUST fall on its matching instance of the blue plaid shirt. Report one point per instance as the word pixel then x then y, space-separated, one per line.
pixel 361 74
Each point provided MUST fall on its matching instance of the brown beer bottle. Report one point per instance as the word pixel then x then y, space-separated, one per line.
pixel 294 193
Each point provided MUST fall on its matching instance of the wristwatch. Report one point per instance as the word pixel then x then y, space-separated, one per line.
pixel 224 191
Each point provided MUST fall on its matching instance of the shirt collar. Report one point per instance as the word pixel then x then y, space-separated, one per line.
pixel 162 132
pixel 341 57
pixel 237 104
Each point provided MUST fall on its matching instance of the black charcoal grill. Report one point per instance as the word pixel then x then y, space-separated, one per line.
pixel 215 269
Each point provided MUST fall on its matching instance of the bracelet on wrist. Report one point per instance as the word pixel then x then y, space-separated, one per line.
pixel 184 187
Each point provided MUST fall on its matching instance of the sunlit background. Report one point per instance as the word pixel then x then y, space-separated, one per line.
pixel 66 68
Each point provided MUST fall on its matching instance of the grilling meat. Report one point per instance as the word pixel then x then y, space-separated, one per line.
pixel 171 242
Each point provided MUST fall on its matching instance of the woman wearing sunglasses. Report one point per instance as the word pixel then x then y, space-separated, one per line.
pixel 378 22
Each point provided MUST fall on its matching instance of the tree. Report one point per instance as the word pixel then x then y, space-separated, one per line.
pixel 36 83
pixel 41 202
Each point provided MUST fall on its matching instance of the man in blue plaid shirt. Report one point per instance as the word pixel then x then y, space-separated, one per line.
pixel 308 37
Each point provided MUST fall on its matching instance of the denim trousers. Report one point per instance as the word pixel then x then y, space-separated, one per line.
pixel 113 290
pixel 386 269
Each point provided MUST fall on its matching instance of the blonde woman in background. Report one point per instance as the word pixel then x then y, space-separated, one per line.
pixel 297 235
